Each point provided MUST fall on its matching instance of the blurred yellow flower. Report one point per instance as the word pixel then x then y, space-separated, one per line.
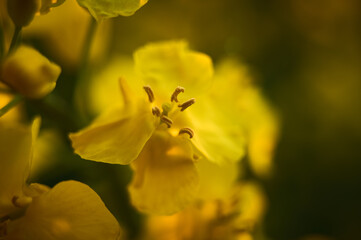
pixel 30 73
pixel 70 210
pixel 258 119
pixel 157 130
pixel 100 9
pixel 233 217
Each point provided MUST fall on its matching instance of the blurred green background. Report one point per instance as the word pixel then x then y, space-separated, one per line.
pixel 306 55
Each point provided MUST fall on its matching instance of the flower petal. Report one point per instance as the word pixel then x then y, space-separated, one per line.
pixel 117 136
pixel 166 65
pixel 71 210
pixel 217 136
pixel 16 143
pixel 165 179
pixel 216 180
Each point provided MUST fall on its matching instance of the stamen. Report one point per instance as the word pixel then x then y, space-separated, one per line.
pixel 21 202
pixel 150 93
pixel 188 131
pixel 156 111
pixel 175 94
pixel 187 104
pixel 166 120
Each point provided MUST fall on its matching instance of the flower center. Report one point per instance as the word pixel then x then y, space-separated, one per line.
pixel 170 109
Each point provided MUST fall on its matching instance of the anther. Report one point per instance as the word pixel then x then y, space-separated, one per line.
pixel 166 120
pixel 187 131
pixel 187 104
pixel 149 92
pixel 156 111
pixel 175 94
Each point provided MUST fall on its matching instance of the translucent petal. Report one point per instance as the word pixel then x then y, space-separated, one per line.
pixel 166 65
pixel 252 203
pixel 165 179
pixel 216 181
pixel 16 143
pixel 111 8
pixel 71 210
pixel 245 102
pixel 116 136
pixel 217 136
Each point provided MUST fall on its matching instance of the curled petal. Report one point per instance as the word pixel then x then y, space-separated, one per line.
pixel 71 210
pixel 165 178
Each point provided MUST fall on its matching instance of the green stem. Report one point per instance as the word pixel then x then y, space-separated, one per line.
pixel 84 58
pixel 83 74
pixel 15 39
pixel 16 100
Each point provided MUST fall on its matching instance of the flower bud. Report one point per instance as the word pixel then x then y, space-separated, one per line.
pixel 22 12
pixel 30 73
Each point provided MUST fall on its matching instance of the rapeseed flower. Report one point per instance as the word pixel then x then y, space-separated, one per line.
pixel 157 131
pixel 69 210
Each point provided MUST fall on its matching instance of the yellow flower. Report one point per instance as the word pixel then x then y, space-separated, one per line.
pixel 158 134
pixel 70 210
pixel 30 73
pixel 111 8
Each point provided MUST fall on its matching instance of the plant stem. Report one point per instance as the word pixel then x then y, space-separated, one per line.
pixel 81 81
pixel 84 58
pixel 16 100
pixel 15 39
